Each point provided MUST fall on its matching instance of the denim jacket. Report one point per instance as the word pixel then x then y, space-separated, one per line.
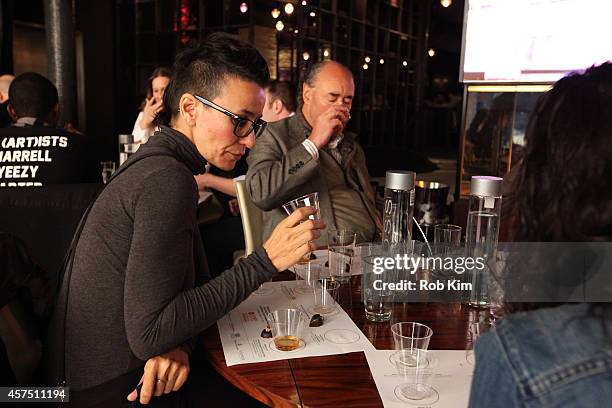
pixel 554 357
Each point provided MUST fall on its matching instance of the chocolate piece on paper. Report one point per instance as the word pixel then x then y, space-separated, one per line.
pixel 266 333
pixel 316 321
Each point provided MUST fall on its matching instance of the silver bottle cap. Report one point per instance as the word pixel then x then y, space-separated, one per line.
pixel 486 186
pixel 400 180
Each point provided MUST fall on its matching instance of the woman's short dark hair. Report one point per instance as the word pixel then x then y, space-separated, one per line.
pixel 203 68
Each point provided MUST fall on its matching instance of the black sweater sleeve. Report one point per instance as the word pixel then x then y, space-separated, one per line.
pixel 159 313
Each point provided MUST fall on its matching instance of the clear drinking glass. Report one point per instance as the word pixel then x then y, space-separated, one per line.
pixel 309 200
pixel 447 243
pixel 325 295
pixel 108 168
pixel 475 329
pixel 309 273
pixel 412 337
pixel 418 378
pixel 363 250
pixel 286 326
pixel 447 234
pixel 341 246
pixel 377 298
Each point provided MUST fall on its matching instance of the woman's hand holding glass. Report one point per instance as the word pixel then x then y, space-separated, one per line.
pixel 293 238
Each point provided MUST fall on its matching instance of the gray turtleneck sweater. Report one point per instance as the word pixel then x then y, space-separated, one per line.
pixel 132 293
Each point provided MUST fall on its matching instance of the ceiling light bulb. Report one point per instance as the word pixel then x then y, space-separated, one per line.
pixel 275 13
pixel 280 25
pixel 288 8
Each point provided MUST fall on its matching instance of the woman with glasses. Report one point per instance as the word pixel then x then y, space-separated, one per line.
pixel 139 290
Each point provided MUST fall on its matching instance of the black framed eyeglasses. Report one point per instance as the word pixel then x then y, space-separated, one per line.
pixel 242 126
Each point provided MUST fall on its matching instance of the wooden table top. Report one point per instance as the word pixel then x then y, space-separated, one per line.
pixel 340 380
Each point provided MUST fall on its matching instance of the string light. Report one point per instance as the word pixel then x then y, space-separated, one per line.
pixel 405 63
pixel 296 31
pixel 288 8
pixel 303 2
pixel 381 61
pixel 312 14
pixel 431 52
pixel 367 59
pixel 326 53
pixel 446 3
pixel 305 56
pixel 365 66
pixel 244 8
pixel 280 25
pixel 275 13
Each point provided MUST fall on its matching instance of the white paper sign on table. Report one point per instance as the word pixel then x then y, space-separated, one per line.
pixel 240 330
pixel 451 382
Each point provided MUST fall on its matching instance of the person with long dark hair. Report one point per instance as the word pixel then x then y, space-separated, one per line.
pixel 551 354
pixel 152 105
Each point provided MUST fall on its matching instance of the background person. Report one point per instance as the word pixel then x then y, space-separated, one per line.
pixel 312 151
pixel 544 355
pixel 280 101
pixel 152 105
pixel 5 83
pixel 33 151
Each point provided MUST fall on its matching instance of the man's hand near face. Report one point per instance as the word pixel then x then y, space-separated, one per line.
pixel 328 124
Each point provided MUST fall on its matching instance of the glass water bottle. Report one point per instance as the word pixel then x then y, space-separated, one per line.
pixel 482 233
pixel 398 209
